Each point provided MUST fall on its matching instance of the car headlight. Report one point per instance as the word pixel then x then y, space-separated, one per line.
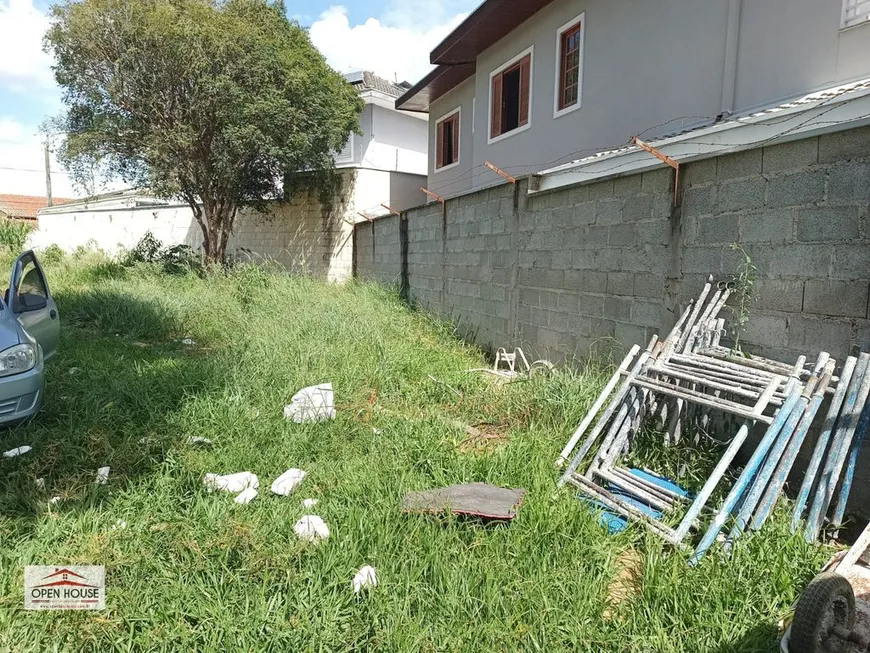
pixel 17 359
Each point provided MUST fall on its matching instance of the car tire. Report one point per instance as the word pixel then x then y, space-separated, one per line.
pixel 828 601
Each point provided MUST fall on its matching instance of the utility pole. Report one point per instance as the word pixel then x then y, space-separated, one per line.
pixel 47 174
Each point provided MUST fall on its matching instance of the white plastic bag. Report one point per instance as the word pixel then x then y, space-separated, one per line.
pixel 313 404
pixel 365 577
pixel 288 481
pixel 103 475
pixel 311 528
pixel 234 483
pixel 246 496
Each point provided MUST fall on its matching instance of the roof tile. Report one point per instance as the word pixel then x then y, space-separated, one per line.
pixel 24 207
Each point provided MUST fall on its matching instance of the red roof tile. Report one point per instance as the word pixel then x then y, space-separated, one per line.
pixel 24 207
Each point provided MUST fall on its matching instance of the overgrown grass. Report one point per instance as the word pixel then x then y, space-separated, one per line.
pixel 194 571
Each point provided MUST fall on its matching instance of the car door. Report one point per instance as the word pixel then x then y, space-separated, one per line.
pixel 30 300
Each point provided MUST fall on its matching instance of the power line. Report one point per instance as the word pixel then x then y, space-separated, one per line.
pixel 54 172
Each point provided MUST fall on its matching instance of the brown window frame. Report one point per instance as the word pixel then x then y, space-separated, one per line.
pixel 522 65
pixel 442 146
pixel 564 83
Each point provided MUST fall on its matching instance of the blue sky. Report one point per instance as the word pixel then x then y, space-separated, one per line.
pixel 391 37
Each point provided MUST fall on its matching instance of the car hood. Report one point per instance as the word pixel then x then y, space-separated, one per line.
pixel 11 332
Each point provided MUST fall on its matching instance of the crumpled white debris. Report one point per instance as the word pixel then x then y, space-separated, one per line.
pixel 309 503
pixel 311 528
pixel 366 577
pixel 40 483
pixel 313 404
pixel 119 525
pixel 74 370
pixel 246 496
pixel 103 475
pixel 377 431
pixel 17 451
pixel 188 342
pixel 234 483
pixel 55 500
pixel 198 439
pixel 288 481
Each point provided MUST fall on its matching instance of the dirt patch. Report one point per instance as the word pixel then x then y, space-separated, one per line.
pixel 626 581
pixel 483 438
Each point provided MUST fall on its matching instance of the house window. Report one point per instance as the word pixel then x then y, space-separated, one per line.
pixel 569 66
pixel 447 137
pixel 510 96
pixel 855 12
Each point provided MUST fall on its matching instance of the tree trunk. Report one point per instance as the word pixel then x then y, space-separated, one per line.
pixel 216 220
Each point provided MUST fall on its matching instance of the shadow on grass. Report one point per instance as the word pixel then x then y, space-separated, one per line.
pixel 114 395
pixel 763 638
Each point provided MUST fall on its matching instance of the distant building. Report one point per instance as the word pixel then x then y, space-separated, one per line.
pixel 25 207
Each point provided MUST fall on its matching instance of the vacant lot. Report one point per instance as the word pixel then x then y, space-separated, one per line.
pixel 194 571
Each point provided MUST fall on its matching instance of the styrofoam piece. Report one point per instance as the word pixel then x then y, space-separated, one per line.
pixel 231 482
pixel 17 451
pixel 246 496
pixel 103 475
pixel 366 577
pixel 311 528
pixel 313 404
pixel 288 481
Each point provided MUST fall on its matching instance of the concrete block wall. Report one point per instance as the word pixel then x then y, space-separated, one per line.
pixel 800 211
pixel 304 235
pixel 425 258
pixel 592 265
pixel 364 250
pixel 386 258
pixel 609 263
pixel 478 265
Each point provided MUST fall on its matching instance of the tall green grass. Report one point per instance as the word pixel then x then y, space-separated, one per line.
pixel 13 234
pixel 194 571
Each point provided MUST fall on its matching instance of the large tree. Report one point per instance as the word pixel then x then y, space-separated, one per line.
pixel 215 101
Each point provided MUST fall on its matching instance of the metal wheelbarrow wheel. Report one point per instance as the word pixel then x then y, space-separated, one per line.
pixel 828 603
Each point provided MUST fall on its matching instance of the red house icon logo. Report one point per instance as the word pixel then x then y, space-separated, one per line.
pixel 64 588
pixel 64 580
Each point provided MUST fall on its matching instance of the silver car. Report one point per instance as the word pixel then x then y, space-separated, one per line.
pixel 29 335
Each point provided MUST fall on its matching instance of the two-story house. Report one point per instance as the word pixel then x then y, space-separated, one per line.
pixel 531 84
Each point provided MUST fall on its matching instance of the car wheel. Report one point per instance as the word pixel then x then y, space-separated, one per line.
pixel 827 602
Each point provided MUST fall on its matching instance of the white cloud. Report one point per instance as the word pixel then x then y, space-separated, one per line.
pixel 23 63
pixel 22 162
pixel 395 46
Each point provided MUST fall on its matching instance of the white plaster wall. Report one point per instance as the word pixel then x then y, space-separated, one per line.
pixel 115 229
pixel 398 141
pixel 302 235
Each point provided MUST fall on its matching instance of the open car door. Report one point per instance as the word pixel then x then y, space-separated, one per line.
pixel 29 299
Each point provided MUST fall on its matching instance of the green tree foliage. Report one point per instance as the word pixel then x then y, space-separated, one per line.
pixel 213 101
